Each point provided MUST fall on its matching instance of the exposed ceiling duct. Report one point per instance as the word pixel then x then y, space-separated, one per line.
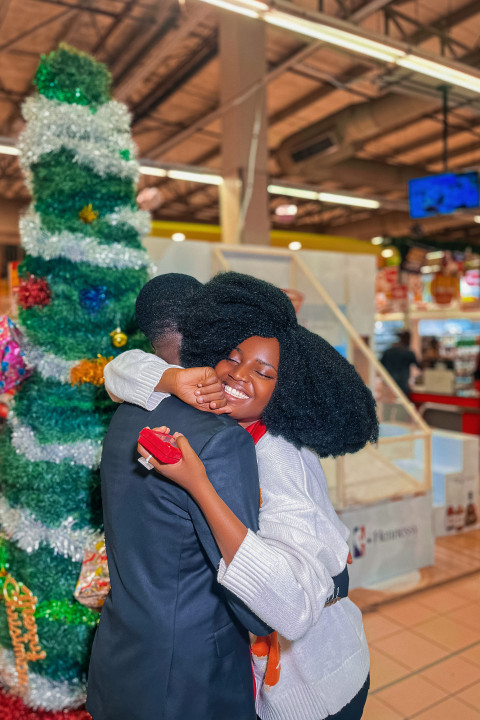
pixel 333 140
pixel 366 173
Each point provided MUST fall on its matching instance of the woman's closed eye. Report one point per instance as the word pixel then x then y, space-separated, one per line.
pixel 269 377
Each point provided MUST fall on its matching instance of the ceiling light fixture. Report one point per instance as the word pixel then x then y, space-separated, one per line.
pixel 288 191
pixel 248 8
pixel 9 150
pixel 344 35
pixel 195 177
pixel 334 198
pixel 295 245
pixel 347 40
pixel 348 200
pixel 150 170
pixel 286 210
pixel 387 253
pixel 378 240
pixel 178 237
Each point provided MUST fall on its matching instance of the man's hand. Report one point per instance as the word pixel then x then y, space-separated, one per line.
pixel 199 387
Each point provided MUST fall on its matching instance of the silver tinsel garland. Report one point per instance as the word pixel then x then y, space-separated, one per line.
pixel 86 452
pixel 77 247
pixel 42 693
pixel 96 139
pixel 22 527
pixel 138 219
pixel 48 365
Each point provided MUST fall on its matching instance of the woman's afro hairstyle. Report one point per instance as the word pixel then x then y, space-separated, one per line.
pixel 320 401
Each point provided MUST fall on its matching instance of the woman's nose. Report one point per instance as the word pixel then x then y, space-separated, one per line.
pixel 239 372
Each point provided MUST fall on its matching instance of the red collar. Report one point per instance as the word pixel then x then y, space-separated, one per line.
pixel 257 430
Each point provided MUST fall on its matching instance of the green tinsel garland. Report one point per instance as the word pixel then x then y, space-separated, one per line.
pixel 71 613
pixel 59 412
pixel 63 188
pixel 103 231
pixel 51 491
pixel 72 76
pixel 55 581
pixel 66 645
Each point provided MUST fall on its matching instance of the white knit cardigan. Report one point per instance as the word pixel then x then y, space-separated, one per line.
pixel 283 572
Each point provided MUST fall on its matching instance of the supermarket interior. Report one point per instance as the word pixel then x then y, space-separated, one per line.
pixel 330 148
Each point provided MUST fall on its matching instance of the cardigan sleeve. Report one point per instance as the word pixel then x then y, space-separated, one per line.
pixel 284 571
pixel 133 376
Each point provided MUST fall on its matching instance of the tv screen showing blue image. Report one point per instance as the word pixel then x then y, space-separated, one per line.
pixel 443 194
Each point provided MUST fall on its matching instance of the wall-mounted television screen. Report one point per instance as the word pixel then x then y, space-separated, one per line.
pixel 443 194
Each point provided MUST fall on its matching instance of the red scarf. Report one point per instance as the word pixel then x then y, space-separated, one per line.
pixel 257 430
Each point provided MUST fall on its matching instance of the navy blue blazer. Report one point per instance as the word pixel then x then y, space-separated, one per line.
pixel 172 644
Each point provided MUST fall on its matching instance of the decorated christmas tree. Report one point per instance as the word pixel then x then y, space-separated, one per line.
pixel 84 267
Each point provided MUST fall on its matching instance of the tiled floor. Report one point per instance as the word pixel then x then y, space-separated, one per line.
pixel 425 652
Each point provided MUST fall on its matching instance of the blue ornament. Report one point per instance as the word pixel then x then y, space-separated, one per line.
pixel 93 298
pixel 4 366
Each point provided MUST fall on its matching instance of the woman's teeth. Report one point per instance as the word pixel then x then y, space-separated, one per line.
pixel 236 393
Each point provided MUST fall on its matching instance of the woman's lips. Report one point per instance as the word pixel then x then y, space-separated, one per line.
pixel 234 392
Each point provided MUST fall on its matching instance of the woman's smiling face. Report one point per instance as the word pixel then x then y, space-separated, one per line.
pixel 249 375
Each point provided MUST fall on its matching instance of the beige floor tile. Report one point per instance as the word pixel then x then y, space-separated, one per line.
pixel 471 695
pixel 472 655
pixel 443 600
pixel 470 587
pixel 377 626
pixel 407 612
pixel 411 696
pixel 452 635
pixel 468 615
pixel 384 670
pixel 410 649
pixel 451 709
pixel 452 674
pixel 375 709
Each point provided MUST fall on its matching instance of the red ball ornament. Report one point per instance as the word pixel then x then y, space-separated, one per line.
pixel 33 292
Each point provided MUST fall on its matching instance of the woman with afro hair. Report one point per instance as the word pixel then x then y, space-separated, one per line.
pixel 299 399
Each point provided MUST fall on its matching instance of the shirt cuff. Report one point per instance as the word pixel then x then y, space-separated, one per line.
pixel 249 570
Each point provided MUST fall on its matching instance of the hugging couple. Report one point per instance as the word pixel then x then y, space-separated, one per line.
pixel 240 536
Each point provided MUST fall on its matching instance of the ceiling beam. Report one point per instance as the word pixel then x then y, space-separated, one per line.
pixel 200 57
pixel 172 36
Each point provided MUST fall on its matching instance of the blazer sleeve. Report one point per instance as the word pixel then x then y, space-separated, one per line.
pixel 231 465
pixel 133 376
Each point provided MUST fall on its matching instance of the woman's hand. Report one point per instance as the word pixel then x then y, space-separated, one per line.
pixel 189 473
pixel 199 387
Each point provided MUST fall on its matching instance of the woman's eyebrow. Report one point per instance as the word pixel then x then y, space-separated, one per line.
pixel 262 362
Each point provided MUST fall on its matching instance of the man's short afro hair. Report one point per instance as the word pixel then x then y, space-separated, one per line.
pixel 320 401
pixel 160 302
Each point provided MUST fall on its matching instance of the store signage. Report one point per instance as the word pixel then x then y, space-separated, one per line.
pixel 391 538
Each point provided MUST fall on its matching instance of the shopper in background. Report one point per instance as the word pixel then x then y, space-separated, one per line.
pixel 398 360
pixel 312 398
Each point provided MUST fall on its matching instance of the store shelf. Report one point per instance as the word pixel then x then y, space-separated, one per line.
pixel 434 314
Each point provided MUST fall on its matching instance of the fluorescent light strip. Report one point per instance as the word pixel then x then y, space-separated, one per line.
pixel 293 192
pixel 148 170
pixel 349 41
pixel 247 11
pixel 355 42
pixel 441 72
pixel 348 200
pixel 205 178
pixel 333 198
pixel 9 150
pixel 195 177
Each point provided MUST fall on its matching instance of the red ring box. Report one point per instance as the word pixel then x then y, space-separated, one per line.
pixel 160 445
